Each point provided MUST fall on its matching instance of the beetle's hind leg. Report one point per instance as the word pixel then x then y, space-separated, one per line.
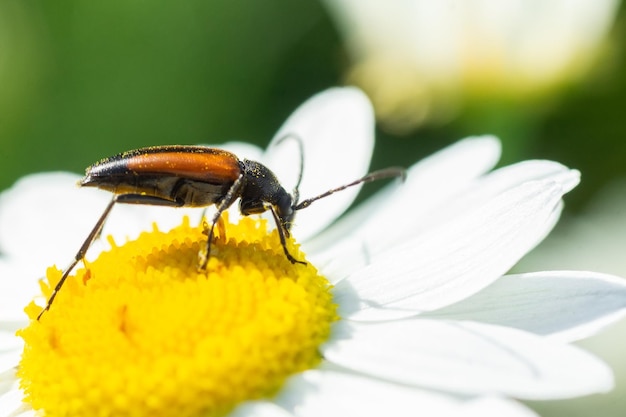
pixel 95 232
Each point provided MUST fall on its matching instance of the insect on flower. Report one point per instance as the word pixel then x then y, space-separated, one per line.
pixel 198 176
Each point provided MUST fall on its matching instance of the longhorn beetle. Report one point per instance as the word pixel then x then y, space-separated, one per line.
pixel 198 176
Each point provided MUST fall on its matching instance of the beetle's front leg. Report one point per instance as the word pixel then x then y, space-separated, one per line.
pixel 233 193
pixel 283 233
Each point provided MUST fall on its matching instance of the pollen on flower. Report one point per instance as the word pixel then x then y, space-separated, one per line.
pixel 142 332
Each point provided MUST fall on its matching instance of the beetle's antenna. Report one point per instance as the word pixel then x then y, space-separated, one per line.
pixel 298 139
pixel 373 176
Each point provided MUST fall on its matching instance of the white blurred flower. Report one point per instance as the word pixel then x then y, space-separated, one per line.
pixel 420 60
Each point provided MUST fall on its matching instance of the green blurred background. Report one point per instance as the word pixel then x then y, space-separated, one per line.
pixel 82 80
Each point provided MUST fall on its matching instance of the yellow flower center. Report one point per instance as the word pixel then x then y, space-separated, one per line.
pixel 141 332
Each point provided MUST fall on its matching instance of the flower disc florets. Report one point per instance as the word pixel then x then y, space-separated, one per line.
pixel 142 332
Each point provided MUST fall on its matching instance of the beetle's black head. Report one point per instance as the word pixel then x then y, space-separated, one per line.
pixel 262 190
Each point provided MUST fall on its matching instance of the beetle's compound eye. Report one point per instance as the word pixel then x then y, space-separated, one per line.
pixel 285 211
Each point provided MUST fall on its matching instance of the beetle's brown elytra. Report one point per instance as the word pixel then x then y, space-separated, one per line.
pixel 200 163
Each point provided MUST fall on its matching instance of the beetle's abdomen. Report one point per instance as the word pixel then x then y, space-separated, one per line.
pixel 190 175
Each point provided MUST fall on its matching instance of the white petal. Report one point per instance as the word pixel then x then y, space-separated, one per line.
pixel 9 359
pixel 9 344
pixel 454 261
pixel 337 131
pixel 243 150
pixel 365 240
pixel 493 406
pixel 32 240
pixel 17 289
pixel 436 178
pixel 11 405
pixel 259 409
pixel 431 183
pixel 29 237
pixel 44 215
pixel 8 381
pixel 567 305
pixel 504 179
pixel 329 393
pixel 468 357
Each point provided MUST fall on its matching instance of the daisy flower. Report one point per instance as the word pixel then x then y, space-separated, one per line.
pixel 402 308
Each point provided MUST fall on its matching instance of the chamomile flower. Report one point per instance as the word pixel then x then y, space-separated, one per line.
pixel 403 306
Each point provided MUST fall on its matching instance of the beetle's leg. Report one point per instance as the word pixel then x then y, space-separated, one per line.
pixel 233 193
pixel 221 227
pixel 97 230
pixel 147 200
pixel 282 233
pixel 80 254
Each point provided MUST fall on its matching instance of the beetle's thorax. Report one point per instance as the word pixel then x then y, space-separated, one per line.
pixel 262 188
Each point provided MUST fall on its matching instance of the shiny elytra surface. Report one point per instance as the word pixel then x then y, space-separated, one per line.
pixel 197 163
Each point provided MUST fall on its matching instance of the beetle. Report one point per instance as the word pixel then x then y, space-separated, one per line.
pixel 198 176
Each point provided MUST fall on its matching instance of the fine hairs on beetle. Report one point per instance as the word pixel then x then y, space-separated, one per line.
pixel 199 176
